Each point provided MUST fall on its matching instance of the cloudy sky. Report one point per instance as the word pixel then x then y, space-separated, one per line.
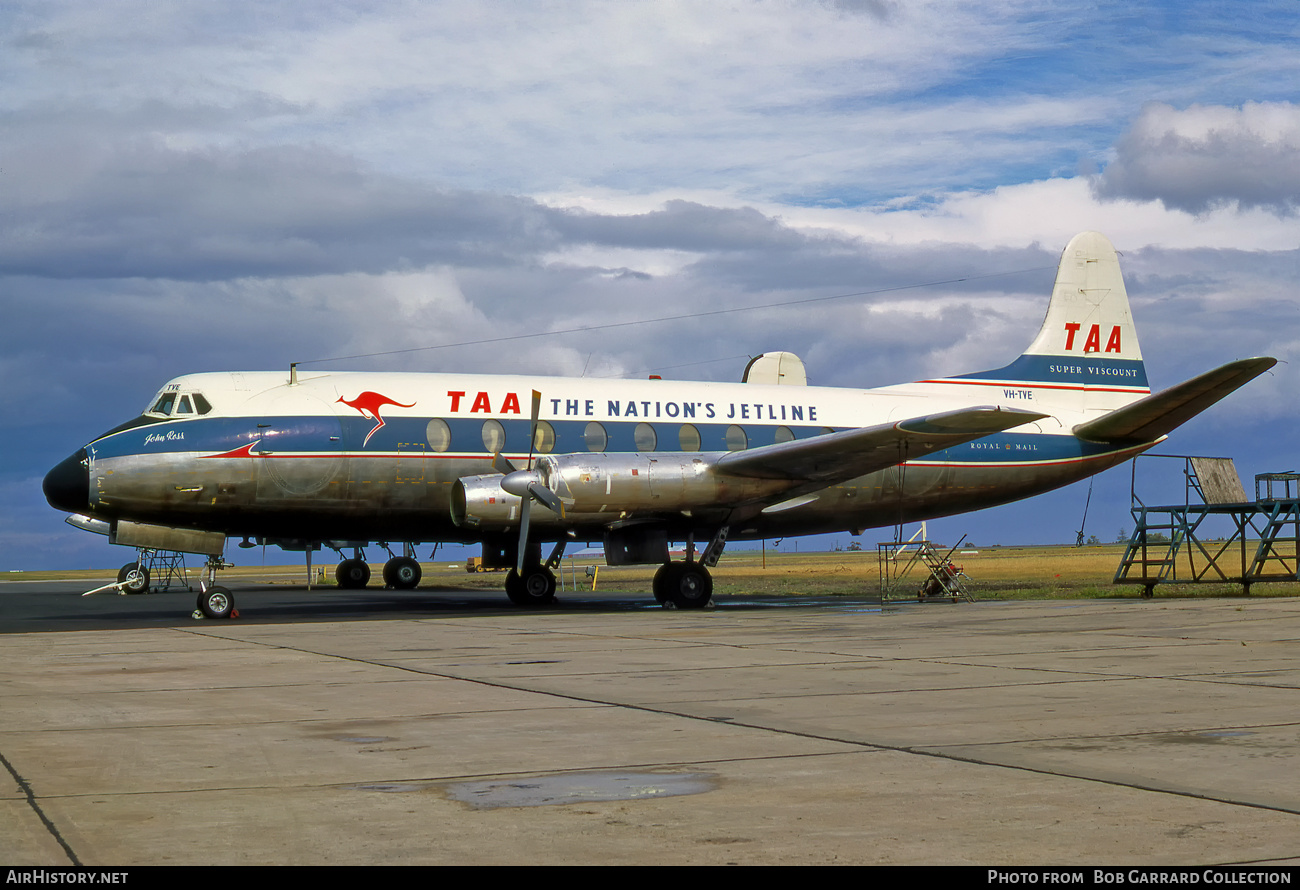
pixel 189 187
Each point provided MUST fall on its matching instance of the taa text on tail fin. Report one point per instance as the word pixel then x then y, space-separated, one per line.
pixel 1086 359
pixel 1086 356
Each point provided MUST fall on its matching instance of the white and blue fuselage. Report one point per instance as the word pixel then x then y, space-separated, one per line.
pixel 300 459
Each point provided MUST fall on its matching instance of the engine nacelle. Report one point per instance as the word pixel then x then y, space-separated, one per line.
pixel 593 486
pixel 479 502
pixel 646 483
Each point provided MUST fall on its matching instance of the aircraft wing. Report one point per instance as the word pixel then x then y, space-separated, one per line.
pixel 835 457
pixel 1151 417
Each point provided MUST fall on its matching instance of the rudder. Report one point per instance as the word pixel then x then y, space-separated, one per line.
pixel 1089 312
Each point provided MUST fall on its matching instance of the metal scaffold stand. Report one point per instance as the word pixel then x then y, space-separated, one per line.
pixel 943 580
pixel 1173 544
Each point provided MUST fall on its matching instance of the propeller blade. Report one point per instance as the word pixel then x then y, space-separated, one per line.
pixel 532 426
pixel 546 497
pixel 524 484
pixel 523 534
pixel 502 465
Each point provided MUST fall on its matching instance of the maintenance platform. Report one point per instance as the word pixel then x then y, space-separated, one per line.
pixel 1226 538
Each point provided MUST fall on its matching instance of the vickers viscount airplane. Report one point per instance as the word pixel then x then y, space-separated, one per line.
pixel 346 459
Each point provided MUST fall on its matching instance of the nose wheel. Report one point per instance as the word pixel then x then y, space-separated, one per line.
pixel 214 600
pixel 217 602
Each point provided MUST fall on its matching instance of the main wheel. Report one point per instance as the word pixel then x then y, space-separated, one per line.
pixel 661 581
pixel 689 585
pixel 536 587
pixel 216 602
pixel 402 573
pixel 136 577
pixel 352 574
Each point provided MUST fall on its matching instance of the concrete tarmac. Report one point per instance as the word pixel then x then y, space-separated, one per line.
pixel 1108 732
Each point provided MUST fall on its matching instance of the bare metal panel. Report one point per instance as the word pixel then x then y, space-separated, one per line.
pixel 1219 480
pixel 160 537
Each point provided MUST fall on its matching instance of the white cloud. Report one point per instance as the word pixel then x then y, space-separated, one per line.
pixel 1208 157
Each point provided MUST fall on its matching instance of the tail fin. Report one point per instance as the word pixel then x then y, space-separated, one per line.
pixel 1088 344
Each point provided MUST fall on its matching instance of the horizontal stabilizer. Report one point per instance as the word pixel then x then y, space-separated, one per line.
pixel 836 457
pixel 1156 415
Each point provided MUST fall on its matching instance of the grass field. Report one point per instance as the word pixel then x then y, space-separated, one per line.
pixel 999 573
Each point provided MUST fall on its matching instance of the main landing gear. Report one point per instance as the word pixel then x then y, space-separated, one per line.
pixel 402 573
pixel 352 574
pixel 685 585
pixel 535 586
pixel 399 572
pixel 688 584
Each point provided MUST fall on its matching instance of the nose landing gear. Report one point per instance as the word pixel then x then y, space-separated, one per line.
pixel 215 601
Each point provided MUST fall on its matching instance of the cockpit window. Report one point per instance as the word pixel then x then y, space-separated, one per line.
pixel 175 404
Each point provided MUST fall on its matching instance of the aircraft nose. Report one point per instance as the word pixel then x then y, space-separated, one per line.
pixel 67 486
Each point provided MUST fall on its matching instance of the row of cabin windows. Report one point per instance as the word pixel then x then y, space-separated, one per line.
pixel 596 438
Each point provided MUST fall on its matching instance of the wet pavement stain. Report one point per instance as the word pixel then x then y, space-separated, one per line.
pixel 569 788
pixel 1213 737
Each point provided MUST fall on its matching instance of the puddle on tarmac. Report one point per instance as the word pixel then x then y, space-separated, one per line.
pixel 541 791
pixel 1208 737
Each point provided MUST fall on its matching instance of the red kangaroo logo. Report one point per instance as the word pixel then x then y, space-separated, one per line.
pixel 369 403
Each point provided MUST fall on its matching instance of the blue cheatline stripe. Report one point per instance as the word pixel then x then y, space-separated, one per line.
pixel 1068 371
pixel 332 437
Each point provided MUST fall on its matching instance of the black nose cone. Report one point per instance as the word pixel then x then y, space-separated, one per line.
pixel 67 486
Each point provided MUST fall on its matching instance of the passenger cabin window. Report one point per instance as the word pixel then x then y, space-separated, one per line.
pixel 784 434
pixel 438 434
pixel 596 437
pixel 688 438
pixel 736 439
pixel 644 437
pixel 544 438
pixel 494 436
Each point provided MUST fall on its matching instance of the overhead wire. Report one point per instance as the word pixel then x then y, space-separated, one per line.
pixel 707 313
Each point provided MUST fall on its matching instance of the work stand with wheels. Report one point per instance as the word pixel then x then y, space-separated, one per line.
pixel 943 581
pixel 153 570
